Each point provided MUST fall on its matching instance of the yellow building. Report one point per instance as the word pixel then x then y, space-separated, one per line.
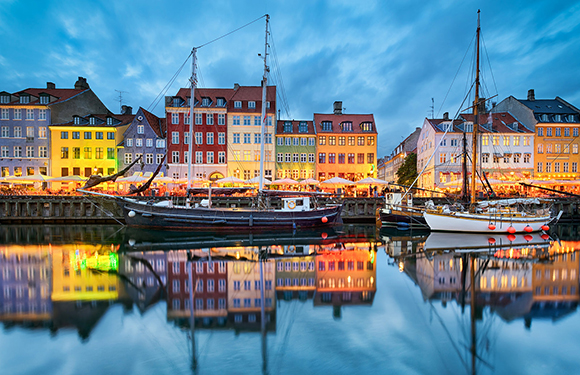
pixel 347 145
pixel 82 273
pixel 87 145
pixel 244 132
pixel 244 296
pixel 557 281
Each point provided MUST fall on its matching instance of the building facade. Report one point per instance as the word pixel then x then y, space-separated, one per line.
pixel 25 117
pixel 295 149
pixel 346 145
pixel 394 161
pixel 146 137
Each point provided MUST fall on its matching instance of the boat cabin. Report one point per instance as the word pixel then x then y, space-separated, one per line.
pixel 396 200
pixel 296 204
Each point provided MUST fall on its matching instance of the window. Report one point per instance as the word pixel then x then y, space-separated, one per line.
pixel 311 157
pixel 288 158
pixel 128 158
pixel 280 157
pixel 209 138
pixel 268 138
pixel 221 157
pixel 209 118
pixel 209 157
pixel 558 132
pixel 88 135
pixel 30 152
pixel 30 114
pixel 341 141
pixel 199 157
pixel 506 140
pixel 175 118
pixel 221 118
pixel 63 135
pixel 198 118
pixel 63 152
pixel 540 148
pixel 331 158
pixel 237 104
pixel 138 142
pixel 548 167
pixel 198 138
pixel 257 137
pixel 287 127
pixel 148 158
pixel 548 132
pixel 110 153
pixel 326 126
pixel 175 138
pixel 175 157
pixel 98 152
pixel 575 148
pixel 370 158
pixel 5 153
pixel 5 132
pixel 6 114
pixel 236 120
pixel 128 142
pixel 288 141
pixel 303 157
pixel 350 158
pixel 527 158
pixel 88 153
pixel 295 157
pixel 247 138
pixel 575 132
pixel 247 120
pixel 574 167
pixel 17 114
pixel 158 158
pixel 540 132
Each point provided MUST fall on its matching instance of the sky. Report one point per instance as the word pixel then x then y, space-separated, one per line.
pixel 389 58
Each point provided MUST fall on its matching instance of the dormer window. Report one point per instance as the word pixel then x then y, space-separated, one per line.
pixel 237 104
pixel 189 102
pixel 176 102
pixel 303 127
pixel 205 102
pixel 24 99
pixel 221 102
pixel 92 121
pixel 287 127
pixel 545 118
pixel 326 126
pixel 44 99
pixel 109 121
pixel 252 104
pixel 468 127
pixel 570 118
pixel 366 126
pixel 268 105
pixel 4 99
pixel 347 126
pixel 557 118
pixel 76 120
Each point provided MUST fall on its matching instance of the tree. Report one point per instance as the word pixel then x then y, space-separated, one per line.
pixel 407 172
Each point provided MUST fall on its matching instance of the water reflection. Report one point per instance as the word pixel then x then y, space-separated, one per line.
pixel 68 278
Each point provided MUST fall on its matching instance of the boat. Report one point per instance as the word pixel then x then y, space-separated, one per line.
pixel 486 219
pixel 295 211
pixel 399 212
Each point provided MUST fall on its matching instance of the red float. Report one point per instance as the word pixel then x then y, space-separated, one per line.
pixel 545 236
pixel 545 228
pixel 491 240
pixel 324 235
pixel 511 237
pixel 491 227
pixel 528 229
pixel 528 237
pixel 511 230
pixel 324 219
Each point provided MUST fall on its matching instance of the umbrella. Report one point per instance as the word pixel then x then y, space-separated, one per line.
pixel 256 180
pixel 73 178
pixel 230 179
pixel 372 180
pixel 166 180
pixel 309 181
pixel 337 181
pixel 135 178
pixel 285 181
pixel 29 179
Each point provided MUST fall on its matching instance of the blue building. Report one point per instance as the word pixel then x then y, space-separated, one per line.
pixel 24 120
pixel 145 136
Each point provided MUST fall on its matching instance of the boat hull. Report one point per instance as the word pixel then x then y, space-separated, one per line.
pixel 479 223
pixel 139 214
pixel 399 218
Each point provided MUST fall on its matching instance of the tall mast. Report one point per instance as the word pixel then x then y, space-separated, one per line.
pixel 193 81
pixel 264 88
pixel 475 120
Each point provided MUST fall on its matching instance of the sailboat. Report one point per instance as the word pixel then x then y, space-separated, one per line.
pixel 486 218
pixel 296 211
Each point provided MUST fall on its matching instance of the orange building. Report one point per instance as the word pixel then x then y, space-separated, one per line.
pixel 346 145
pixel 557 281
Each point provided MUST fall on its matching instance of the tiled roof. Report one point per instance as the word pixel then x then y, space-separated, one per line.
pixel 339 119
pixel 254 93
pixel 61 95
pixel 157 124
pixel 295 127
pixel 200 93
pixel 124 120
pixel 501 123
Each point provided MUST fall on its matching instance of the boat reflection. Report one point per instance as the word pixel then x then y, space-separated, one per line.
pixel 523 277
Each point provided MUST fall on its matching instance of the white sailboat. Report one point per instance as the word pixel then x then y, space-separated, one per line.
pixel 486 218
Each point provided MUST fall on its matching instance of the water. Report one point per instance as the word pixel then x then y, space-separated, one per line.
pixel 106 300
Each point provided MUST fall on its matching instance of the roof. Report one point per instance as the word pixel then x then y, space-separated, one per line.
pixel 501 122
pixel 241 93
pixel 295 127
pixel 339 119
pixel 61 95
pixel 157 124
pixel 549 106
pixel 121 120
pixel 200 93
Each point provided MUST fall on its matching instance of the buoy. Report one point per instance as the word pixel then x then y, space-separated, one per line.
pixel 545 228
pixel 511 230
pixel 324 235
pixel 511 237
pixel 491 227
pixel 528 237
pixel 324 219
pixel 131 213
pixel 528 229
pixel 545 236
pixel 491 240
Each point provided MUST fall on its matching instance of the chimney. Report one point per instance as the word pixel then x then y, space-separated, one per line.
pixel 236 86
pixel 50 86
pixel 338 108
pixel 531 95
pixel 446 116
pixel 81 84
pixel 126 110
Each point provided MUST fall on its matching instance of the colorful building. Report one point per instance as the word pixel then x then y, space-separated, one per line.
pixel 295 277
pixel 88 144
pixel 210 133
pixel 295 149
pixel 146 137
pixel 347 145
pixel 244 132
pixel 393 162
pixel 556 124
pixel 25 117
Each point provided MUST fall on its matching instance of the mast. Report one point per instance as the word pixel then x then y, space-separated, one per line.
pixel 264 89
pixel 475 120
pixel 193 81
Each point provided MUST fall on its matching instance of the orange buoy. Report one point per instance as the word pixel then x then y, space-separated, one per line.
pixel 511 230
pixel 324 235
pixel 545 228
pixel 528 237
pixel 324 219
pixel 491 240
pixel 491 227
pixel 511 237
pixel 528 229
pixel 545 236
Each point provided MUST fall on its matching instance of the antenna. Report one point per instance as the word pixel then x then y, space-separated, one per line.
pixel 432 108
pixel 121 99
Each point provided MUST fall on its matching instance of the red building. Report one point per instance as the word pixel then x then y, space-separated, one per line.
pixel 210 133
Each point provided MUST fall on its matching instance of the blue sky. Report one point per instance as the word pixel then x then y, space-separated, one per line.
pixel 388 58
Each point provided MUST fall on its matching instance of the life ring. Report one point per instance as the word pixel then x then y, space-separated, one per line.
pixel 291 205
pixel 291 249
pixel 390 197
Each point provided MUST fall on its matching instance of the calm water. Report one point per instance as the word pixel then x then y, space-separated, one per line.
pixel 106 300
